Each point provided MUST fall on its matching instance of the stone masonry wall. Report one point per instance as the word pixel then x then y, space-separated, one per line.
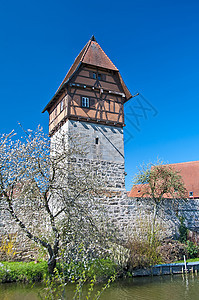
pixel 128 212
pixel 105 158
pixel 22 249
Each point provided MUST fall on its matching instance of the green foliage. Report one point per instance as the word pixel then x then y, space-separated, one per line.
pixel 101 269
pixel 21 271
pixel 192 249
pixel 188 260
pixel 85 286
pixel 55 286
pixel 106 286
pixel 183 231
pixel 91 287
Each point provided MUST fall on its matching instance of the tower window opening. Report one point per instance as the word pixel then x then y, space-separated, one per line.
pixel 96 76
pixel 97 141
pixel 190 194
pixel 62 105
pixel 85 102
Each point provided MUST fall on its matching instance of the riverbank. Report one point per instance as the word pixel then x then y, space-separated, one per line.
pixel 22 271
pixel 102 269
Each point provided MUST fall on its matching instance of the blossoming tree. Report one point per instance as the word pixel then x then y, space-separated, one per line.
pixel 54 201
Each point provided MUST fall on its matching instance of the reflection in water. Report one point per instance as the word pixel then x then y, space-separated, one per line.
pixel 177 287
pixel 186 281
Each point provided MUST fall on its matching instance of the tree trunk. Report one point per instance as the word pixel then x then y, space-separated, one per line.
pixel 153 223
pixel 51 264
pixel 53 255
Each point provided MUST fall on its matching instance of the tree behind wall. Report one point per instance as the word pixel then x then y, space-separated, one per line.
pixel 52 200
pixel 159 182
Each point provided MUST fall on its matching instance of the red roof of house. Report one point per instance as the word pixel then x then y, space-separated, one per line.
pixel 92 54
pixel 190 175
pixel 137 191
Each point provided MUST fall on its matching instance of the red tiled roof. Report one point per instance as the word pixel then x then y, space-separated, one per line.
pixel 92 54
pixel 190 175
pixel 137 190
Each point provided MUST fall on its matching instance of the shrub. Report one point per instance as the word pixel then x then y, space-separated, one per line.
pixel 172 250
pixel 143 247
pixel 143 254
pixel 192 249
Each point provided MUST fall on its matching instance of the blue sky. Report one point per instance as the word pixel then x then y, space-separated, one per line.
pixel 155 45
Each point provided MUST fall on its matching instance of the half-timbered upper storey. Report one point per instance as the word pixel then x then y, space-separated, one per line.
pixel 92 91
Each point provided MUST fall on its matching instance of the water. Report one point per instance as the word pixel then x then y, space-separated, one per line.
pixel 169 287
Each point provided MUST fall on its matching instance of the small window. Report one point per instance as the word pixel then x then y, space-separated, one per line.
pixel 85 102
pixel 190 194
pixel 97 141
pixel 62 105
pixel 96 75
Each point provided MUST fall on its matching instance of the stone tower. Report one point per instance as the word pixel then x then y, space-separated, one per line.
pixel 89 102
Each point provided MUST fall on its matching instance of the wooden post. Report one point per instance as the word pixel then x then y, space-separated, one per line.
pixel 185 264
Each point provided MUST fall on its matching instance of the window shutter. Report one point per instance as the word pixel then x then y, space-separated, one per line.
pixel 90 74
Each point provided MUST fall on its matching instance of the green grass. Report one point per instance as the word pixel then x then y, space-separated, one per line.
pixel 22 271
pixel 188 260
